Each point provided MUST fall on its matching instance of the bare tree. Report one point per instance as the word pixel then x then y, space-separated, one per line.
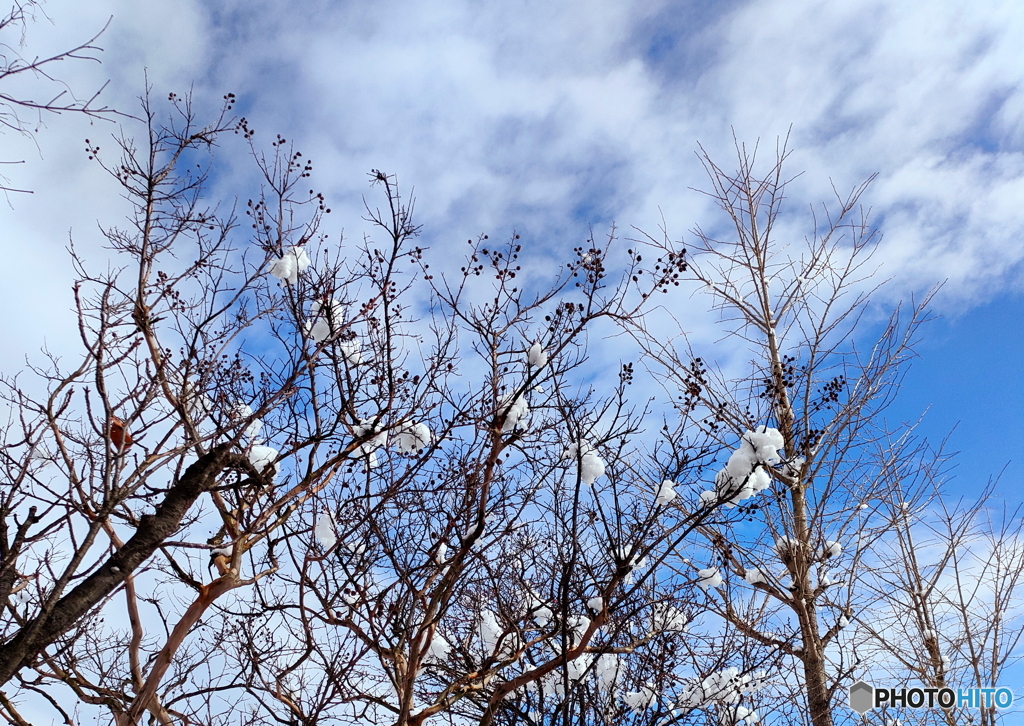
pixel 414 504
pixel 949 579
pixel 792 572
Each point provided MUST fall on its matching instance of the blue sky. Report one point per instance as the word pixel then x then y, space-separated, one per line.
pixel 549 118
pixel 968 378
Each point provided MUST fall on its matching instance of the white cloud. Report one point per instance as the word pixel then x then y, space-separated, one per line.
pixel 549 119
pixel 923 94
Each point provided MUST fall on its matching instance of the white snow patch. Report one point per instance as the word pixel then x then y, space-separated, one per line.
pixel 491 632
pixel 324 531
pixel 537 356
pixel 262 457
pixel 592 466
pixel 785 546
pixel 766 442
pixel 290 265
pixel 577 667
pixel 439 648
pixel 515 411
pixel 326 319
pixel 745 474
pixel 641 700
pixel 709 578
pixel 607 670
pixel 737 716
pixel 578 624
pixel 636 562
pixel 442 551
pixel 541 613
pixel 227 550
pixel 368 449
pixel 243 411
pixel 726 687
pixel 411 438
pixel 666 618
pixel 754 576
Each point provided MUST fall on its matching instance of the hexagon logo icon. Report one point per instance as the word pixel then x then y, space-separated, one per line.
pixel 862 697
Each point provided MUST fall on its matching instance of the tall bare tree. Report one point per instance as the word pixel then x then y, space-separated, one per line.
pixel 814 391
pixel 948 584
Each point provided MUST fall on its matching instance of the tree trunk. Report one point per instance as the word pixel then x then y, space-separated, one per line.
pixel 819 701
pixel 154 529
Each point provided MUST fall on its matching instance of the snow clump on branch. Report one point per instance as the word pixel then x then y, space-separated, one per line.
pixel 666 493
pixel 368 449
pixel 537 357
pixel 225 551
pixel 515 412
pixel 541 613
pixel 324 531
pixel 438 649
pixel 641 700
pixel 726 687
pixel 244 411
pixel 592 466
pixel 196 402
pixel 577 625
pixel 766 443
pixel 607 668
pixel 262 457
pixel 634 563
pixel 350 349
pixel 745 474
pixel 666 618
pixel 579 667
pixel 441 552
pixel 492 634
pixel 785 545
pixel 738 716
pixel 290 265
pixel 412 438
pixel 327 318
pixel 709 578
pixel 754 576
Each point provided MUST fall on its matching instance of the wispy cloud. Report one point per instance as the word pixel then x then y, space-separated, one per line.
pixel 550 119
